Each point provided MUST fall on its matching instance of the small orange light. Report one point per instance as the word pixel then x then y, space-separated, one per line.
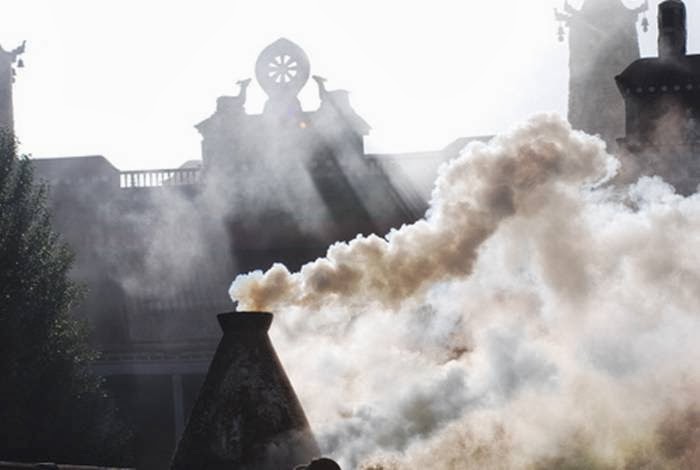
pixel 302 124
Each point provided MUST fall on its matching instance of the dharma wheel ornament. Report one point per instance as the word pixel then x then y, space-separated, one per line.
pixel 282 69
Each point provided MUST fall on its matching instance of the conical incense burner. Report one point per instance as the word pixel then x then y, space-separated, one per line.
pixel 247 415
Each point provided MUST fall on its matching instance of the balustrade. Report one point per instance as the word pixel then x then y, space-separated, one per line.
pixel 159 178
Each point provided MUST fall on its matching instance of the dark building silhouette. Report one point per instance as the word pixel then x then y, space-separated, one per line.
pixel 158 249
pixel 603 40
pixel 662 97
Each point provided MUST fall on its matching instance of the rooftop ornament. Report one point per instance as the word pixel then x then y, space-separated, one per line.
pixel 282 69
pixel 569 14
pixel 12 57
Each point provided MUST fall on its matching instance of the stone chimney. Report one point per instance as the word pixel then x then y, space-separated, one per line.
pixel 673 33
pixel 247 416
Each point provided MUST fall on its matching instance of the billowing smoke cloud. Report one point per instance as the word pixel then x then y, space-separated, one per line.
pixel 473 195
pixel 536 319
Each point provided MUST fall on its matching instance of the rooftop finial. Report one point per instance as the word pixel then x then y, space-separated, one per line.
pixel 597 8
pixel 321 82
pixel 7 78
pixel 243 93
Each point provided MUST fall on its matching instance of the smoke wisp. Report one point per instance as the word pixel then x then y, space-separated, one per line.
pixel 535 319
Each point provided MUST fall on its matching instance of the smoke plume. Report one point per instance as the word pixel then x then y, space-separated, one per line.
pixel 473 195
pixel 537 318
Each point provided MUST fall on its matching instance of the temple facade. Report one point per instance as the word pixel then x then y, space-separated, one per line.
pixel 279 186
pixel 275 163
pixel 158 249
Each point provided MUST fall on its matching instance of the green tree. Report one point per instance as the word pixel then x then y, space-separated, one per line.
pixel 51 407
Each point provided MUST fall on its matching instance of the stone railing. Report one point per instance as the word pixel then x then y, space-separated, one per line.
pixel 159 178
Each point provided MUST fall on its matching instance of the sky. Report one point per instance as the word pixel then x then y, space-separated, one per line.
pixel 129 79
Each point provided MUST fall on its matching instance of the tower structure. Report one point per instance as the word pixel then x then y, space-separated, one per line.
pixel 662 96
pixel 7 78
pixel 603 40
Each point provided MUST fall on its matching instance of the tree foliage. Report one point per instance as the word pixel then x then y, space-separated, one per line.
pixel 51 407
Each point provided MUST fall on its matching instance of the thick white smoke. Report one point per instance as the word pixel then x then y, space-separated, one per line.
pixel 535 319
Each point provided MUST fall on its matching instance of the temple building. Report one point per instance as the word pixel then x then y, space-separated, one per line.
pixel 662 98
pixel 158 249
pixel 646 109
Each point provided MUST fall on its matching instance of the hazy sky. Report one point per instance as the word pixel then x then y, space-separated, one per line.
pixel 128 79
